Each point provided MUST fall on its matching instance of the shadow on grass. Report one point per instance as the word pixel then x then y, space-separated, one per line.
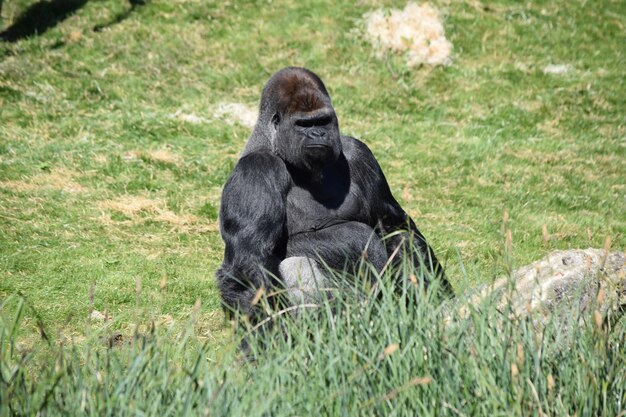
pixel 121 16
pixel 44 15
pixel 40 17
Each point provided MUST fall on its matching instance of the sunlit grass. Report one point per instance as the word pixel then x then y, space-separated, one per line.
pixel 112 161
pixel 370 350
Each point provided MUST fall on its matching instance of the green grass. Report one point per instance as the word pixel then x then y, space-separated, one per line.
pixel 360 354
pixel 86 200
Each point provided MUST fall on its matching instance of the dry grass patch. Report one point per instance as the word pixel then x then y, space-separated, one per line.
pixel 132 206
pixel 101 159
pixel 55 179
pixel 139 209
pixel 163 155
pixel 18 186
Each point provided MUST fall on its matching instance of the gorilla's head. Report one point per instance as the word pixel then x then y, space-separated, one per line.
pixel 298 120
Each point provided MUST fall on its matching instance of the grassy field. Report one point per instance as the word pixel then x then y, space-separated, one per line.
pixel 112 159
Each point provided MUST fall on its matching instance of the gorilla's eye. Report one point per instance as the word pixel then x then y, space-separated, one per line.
pixel 314 121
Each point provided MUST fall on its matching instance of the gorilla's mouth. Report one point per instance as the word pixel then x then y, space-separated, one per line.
pixel 318 154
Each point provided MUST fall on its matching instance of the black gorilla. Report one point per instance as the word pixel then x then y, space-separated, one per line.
pixel 301 192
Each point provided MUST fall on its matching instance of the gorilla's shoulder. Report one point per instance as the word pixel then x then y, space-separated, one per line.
pixel 262 164
pixel 260 160
pixel 353 145
pixel 355 150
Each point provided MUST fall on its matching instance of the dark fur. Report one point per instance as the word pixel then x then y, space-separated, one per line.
pixel 302 189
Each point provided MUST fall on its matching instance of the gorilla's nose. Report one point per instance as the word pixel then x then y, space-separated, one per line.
pixel 317 133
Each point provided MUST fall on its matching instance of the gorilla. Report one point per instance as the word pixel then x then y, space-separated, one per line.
pixel 302 193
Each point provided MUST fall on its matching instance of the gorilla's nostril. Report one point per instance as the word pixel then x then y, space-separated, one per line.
pixel 317 134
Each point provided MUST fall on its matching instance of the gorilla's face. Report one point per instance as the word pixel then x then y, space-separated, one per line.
pixel 297 117
pixel 310 140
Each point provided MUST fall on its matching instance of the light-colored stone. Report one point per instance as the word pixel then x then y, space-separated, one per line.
pixel 557 69
pixel 585 278
pixel 189 117
pixel 97 316
pixel 417 32
pixel 303 279
pixel 240 113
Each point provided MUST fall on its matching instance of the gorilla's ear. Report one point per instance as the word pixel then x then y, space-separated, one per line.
pixel 273 128
pixel 275 120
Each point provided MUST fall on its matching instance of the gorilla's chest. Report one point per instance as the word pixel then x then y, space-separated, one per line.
pixel 310 209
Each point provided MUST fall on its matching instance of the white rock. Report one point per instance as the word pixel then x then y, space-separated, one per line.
pixel 189 117
pixel 557 69
pixel 97 316
pixel 563 278
pixel 416 31
pixel 236 113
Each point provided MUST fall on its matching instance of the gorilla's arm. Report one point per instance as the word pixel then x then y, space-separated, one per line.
pixel 386 215
pixel 253 226
pixel 392 219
